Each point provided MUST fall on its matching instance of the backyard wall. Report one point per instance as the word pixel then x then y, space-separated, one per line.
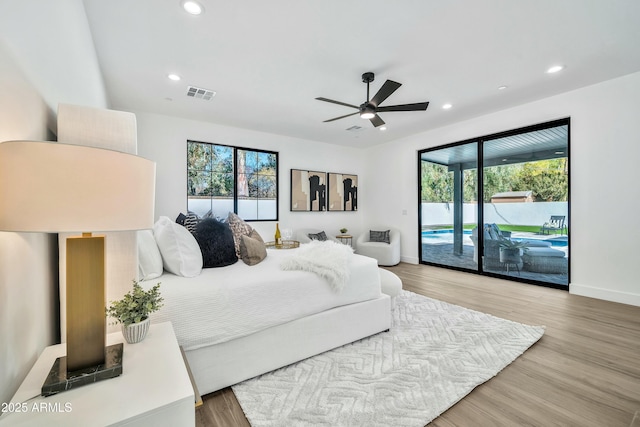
pixel 535 214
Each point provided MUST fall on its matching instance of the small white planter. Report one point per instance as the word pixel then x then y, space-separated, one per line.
pixel 136 332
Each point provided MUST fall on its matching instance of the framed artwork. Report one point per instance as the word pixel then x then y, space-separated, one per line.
pixel 308 191
pixel 343 192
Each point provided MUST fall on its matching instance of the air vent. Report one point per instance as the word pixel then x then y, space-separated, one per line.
pixel 355 128
pixel 200 93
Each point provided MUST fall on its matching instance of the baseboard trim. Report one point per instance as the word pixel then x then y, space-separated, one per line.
pixel 605 294
pixel 409 260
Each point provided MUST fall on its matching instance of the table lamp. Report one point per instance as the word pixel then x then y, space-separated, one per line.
pixel 52 187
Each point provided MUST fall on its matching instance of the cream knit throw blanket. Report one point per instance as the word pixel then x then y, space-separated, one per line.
pixel 328 259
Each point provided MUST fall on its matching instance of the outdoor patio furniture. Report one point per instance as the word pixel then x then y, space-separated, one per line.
pixel 386 253
pixel 556 222
pixel 492 235
pixel 545 260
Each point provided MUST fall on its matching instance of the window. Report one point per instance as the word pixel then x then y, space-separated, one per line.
pixel 223 179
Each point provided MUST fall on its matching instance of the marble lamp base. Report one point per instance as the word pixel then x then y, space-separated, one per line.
pixel 60 380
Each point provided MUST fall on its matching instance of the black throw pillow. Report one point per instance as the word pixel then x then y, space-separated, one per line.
pixel 216 243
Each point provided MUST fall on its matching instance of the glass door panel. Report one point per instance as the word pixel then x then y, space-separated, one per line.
pixel 526 205
pixel 448 208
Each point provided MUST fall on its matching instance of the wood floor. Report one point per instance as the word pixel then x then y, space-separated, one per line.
pixel 585 370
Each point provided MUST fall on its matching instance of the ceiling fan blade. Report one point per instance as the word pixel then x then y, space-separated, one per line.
pixel 341 117
pixel 419 106
pixel 376 121
pixel 385 91
pixel 337 102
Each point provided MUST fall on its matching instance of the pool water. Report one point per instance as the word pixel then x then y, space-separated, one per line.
pixel 446 236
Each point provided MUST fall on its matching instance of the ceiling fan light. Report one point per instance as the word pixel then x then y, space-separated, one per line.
pixel 367 115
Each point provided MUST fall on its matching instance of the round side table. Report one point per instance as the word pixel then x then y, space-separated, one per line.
pixel 346 239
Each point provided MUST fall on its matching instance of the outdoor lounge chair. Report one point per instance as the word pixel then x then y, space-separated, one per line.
pixel 492 236
pixel 556 222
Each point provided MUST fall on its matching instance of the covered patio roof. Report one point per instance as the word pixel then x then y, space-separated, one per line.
pixel 543 144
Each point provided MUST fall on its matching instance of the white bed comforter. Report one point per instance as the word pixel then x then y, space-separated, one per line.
pixel 230 302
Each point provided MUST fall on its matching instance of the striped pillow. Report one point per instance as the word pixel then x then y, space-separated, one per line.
pixel 379 236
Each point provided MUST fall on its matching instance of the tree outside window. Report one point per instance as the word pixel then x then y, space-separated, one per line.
pixel 223 179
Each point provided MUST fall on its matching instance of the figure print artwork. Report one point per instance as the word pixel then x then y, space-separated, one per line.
pixel 308 190
pixel 343 192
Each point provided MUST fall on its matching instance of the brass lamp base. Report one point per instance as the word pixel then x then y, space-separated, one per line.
pixel 87 360
pixel 60 380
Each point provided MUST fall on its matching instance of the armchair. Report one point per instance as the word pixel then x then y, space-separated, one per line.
pixel 387 254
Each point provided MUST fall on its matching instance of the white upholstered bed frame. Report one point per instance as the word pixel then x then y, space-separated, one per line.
pixel 221 365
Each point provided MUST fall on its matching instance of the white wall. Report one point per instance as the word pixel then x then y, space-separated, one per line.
pixel 28 266
pixel 46 57
pixel 605 148
pixel 54 47
pixel 164 140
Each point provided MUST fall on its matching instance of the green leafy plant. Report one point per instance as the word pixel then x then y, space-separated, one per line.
pixel 511 244
pixel 343 230
pixel 136 305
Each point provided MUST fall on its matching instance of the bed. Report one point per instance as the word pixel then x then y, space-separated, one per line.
pixel 240 321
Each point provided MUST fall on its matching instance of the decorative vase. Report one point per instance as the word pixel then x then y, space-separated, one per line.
pixel 136 331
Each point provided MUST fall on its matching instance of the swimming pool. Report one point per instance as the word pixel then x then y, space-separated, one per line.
pixel 445 235
pixel 436 234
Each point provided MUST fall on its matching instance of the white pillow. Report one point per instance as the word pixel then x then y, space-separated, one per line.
pixel 149 258
pixel 180 252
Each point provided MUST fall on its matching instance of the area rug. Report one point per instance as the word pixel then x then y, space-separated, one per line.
pixel 434 354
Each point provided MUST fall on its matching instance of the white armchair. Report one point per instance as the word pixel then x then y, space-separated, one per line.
pixel 386 253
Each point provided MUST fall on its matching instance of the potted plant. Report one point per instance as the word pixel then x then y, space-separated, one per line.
pixel 343 230
pixel 510 250
pixel 133 310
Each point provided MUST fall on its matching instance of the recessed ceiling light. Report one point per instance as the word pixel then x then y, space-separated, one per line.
pixel 446 106
pixel 502 87
pixel 192 7
pixel 174 77
pixel 555 69
pixel 382 128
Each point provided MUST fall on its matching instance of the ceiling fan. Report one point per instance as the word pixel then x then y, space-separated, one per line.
pixel 371 108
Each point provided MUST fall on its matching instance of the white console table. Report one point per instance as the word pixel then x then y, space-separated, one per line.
pixel 153 390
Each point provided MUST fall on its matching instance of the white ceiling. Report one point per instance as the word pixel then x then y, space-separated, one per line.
pixel 268 60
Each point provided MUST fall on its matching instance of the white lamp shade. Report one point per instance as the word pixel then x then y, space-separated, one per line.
pixel 53 187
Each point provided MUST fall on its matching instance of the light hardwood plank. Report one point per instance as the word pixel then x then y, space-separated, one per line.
pixel 585 370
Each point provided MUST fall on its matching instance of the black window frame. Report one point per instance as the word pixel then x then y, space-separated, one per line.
pixel 235 150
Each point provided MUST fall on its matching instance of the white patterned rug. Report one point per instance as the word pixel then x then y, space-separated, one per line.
pixel 433 356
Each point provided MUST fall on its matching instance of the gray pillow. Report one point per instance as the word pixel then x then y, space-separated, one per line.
pixel 252 248
pixel 322 236
pixel 239 228
pixel 379 236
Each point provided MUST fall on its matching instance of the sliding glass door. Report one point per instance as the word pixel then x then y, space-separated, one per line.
pixel 448 199
pixel 520 229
